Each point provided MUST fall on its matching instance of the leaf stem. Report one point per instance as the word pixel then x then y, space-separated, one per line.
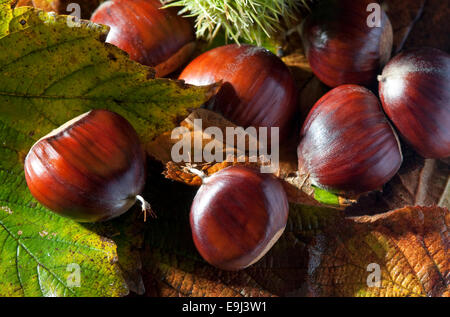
pixel 197 172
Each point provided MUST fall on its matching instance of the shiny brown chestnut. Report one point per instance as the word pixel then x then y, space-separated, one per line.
pixel 415 93
pixel 237 215
pixel 150 35
pixel 258 90
pixel 347 144
pixel 90 169
pixel 340 45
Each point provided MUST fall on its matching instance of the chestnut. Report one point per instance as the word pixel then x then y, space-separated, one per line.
pixel 237 215
pixel 150 35
pixel 90 169
pixel 347 145
pixel 258 89
pixel 415 93
pixel 340 45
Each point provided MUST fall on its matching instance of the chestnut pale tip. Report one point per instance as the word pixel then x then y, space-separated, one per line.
pixel 63 127
pixel 146 207
pixel 269 246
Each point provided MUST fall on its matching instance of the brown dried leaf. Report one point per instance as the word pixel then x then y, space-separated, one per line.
pixel 298 191
pixel 161 147
pixel 410 246
pixel 321 253
pixel 403 16
pixel 419 23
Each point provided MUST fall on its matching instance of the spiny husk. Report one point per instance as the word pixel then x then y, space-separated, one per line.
pixel 248 20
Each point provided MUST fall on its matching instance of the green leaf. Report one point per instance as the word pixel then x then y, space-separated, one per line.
pixel 42 253
pixel 50 73
pixel 321 253
pixel 325 197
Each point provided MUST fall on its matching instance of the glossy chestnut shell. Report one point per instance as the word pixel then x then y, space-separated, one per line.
pixel 258 90
pixel 150 35
pixel 340 46
pixel 237 215
pixel 415 94
pixel 90 169
pixel 347 144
